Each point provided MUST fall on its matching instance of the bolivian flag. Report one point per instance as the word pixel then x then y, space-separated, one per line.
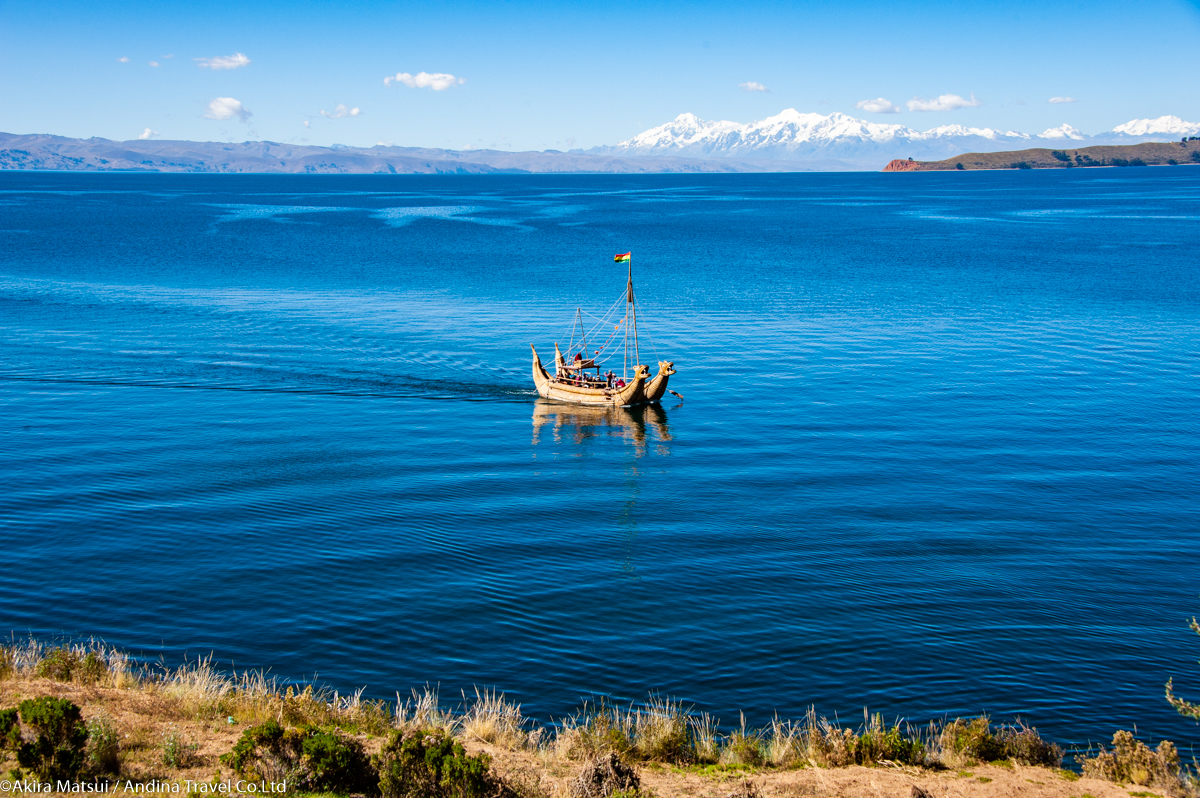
pixel 623 258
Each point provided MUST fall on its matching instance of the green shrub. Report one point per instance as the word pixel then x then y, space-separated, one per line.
pixel 10 729
pixel 1060 155
pixel 57 752
pixel 423 765
pixel 1196 155
pixel 58 665
pixel 91 669
pixel 103 746
pixel 959 166
pixel 597 730
pixel 1023 744
pixel 972 739
pixel 1133 762
pixel 312 759
pixel 1021 165
pixel 335 763
pixel 177 752
pixel 742 748
pixel 879 743
pixel 267 741
pixel 62 664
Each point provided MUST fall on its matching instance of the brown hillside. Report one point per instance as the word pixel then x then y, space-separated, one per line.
pixel 1156 154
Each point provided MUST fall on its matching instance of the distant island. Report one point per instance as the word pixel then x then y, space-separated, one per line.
pixel 1176 153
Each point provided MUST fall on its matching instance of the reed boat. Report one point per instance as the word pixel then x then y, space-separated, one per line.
pixel 572 380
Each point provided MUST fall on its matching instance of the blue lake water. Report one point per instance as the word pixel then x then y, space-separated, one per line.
pixel 937 453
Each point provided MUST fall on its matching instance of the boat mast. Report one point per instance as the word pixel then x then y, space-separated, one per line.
pixel 628 296
pixel 582 331
pixel 637 353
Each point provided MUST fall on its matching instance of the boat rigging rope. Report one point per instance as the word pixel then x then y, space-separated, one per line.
pixel 601 320
pixel 657 359
pixel 605 318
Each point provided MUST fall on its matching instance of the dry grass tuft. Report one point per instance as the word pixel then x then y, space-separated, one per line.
pixel 596 730
pixel 661 732
pixel 91 662
pixel 705 738
pixel 199 688
pixel 827 744
pixel 743 747
pixel 785 745
pixel 492 719
pixel 423 713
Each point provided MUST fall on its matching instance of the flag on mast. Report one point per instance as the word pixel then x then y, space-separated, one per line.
pixel 622 258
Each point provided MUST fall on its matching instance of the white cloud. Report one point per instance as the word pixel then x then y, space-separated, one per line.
pixel 227 108
pixel 169 55
pixel 1062 100
pixel 223 61
pixel 147 134
pixel 124 59
pixel 947 102
pixel 438 81
pixel 305 123
pixel 752 86
pixel 153 63
pixel 879 105
pixel 340 112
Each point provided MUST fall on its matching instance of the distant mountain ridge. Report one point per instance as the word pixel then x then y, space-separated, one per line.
pixel 795 136
pixel 788 141
pixel 45 152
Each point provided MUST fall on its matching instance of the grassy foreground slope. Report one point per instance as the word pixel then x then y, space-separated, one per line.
pixel 197 728
pixel 1155 154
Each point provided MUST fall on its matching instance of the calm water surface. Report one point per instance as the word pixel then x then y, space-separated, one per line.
pixel 938 452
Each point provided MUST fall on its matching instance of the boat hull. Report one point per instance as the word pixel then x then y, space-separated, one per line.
pixel 549 388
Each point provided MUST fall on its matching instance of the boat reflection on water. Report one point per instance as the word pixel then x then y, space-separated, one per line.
pixel 579 423
pixel 646 426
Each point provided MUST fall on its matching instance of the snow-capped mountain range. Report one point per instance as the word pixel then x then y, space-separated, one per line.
pixel 794 136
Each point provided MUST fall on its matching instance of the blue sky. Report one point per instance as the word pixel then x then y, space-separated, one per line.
pixel 538 75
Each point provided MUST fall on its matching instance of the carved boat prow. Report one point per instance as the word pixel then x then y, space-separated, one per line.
pixel 657 388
